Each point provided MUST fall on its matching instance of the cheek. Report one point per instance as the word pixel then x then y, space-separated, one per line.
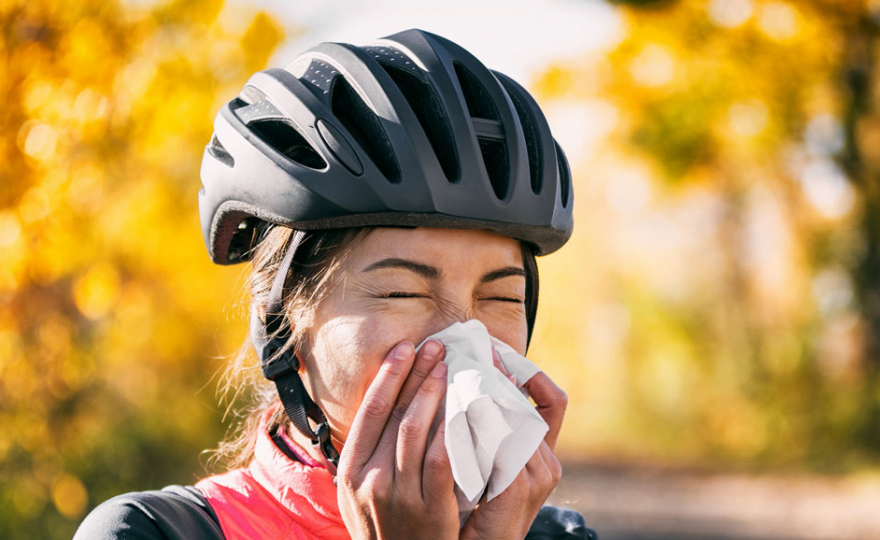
pixel 507 324
pixel 342 357
pixel 514 333
pixel 346 353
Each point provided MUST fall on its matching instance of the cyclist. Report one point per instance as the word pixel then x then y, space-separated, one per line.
pixel 382 193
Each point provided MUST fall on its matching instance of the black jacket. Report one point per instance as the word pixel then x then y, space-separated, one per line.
pixel 183 513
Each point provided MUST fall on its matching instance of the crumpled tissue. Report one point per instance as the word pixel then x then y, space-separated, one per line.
pixel 491 428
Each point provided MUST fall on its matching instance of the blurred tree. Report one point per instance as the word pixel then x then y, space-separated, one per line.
pixel 760 118
pixel 106 318
pixel 857 23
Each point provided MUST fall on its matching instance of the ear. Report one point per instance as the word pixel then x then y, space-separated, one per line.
pixel 299 362
pixel 302 356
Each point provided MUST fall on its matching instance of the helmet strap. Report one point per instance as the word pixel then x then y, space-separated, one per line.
pixel 280 365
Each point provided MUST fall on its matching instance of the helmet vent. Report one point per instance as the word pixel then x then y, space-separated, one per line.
pixel 564 175
pixel 423 100
pixel 363 125
pixel 528 125
pixel 497 166
pixel 479 102
pixel 288 141
pixel 219 152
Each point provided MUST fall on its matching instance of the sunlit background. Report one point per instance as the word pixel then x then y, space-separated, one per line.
pixel 715 318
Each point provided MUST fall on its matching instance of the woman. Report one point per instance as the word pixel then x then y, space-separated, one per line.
pixel 382 193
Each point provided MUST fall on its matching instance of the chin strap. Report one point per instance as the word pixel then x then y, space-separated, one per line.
pixel 280 365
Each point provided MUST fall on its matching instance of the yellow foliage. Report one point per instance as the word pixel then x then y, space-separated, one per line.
pixel 10 229
pixel 96 292
pixel 69 495
pixel 259 40
pixel 107 110
pixel 702 302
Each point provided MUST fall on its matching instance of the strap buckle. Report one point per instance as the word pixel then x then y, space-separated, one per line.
pixel 274 365
pixel 323 442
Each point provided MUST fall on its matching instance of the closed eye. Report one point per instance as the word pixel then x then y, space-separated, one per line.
pixel 505 299
pixel 403 294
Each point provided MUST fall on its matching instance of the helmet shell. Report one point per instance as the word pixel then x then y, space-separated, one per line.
pixel 410 130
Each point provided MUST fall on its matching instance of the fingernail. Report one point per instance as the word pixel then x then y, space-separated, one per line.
pixel 403 351
pixel 431 349
pixel 439 370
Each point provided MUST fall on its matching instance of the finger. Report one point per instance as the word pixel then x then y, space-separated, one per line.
pixel 412 438
pixel 427 357
pixel 436 471
pixel 374 410
pixel 552 464
pixel 551 403
pixel 543 468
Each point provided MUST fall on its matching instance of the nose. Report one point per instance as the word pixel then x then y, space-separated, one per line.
pixel 448 312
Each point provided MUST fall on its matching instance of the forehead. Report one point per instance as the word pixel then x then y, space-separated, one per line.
pixel 443 248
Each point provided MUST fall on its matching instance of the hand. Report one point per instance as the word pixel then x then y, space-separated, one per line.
pixel 511 513
pixel 393 482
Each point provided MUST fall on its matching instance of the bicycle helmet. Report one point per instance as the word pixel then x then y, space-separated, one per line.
pixel 410 130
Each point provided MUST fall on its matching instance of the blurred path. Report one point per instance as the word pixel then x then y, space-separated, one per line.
pixel 623 503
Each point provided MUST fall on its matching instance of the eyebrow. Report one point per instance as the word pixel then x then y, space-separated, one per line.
pixel 423 270
pixel 503 273
pixel 432 272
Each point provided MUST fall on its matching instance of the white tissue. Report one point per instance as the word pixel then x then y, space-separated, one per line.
pixel 491 427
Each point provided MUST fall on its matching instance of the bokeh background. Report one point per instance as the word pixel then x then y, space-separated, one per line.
pixel 715 318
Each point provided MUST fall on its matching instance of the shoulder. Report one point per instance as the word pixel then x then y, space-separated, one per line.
pixel 174 513
pixel 554 523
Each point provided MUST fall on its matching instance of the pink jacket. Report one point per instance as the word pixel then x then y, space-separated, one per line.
pixel 275 497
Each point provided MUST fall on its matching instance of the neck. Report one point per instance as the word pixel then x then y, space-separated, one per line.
pixel 304 444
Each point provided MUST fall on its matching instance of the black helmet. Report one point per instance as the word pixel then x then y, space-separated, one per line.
pixel 411 130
